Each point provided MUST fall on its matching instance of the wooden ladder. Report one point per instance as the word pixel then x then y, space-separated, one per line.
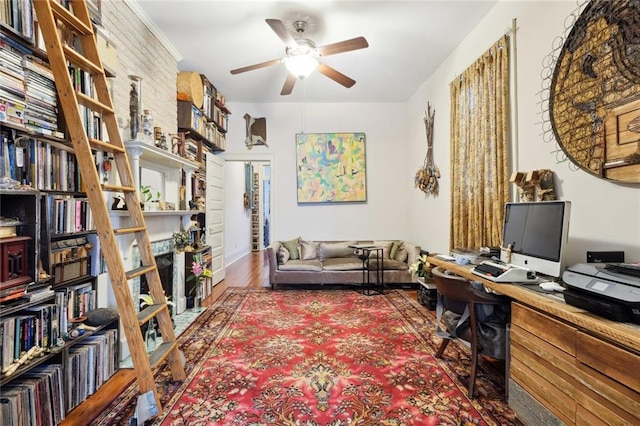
pixel 50 14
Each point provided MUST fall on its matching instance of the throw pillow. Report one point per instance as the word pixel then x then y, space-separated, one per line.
pixel 394 248
pixel 386 245
pixel 308 250
pixel 292 246
pixel 336 249
pixel 283 255
pixel 402 254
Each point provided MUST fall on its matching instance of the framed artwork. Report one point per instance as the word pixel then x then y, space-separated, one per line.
pixel 331 168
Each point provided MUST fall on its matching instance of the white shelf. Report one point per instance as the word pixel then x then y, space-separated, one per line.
pixel 159 156
pixel 156 212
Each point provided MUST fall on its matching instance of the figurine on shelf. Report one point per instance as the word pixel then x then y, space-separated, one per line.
pixel 118 204
pixel 134 120
pixel 147 125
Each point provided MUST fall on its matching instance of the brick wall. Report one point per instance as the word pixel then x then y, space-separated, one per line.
pixel 140 53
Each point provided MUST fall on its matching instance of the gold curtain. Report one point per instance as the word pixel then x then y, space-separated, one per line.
pixel 479 143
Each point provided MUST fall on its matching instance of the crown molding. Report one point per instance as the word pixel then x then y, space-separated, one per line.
pixel 135 7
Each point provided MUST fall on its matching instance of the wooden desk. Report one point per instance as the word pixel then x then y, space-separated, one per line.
pixel 566 363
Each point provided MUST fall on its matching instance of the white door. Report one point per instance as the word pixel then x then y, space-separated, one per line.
pixel 215 215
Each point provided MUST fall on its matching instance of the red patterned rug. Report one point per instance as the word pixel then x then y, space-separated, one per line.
pixel 330 358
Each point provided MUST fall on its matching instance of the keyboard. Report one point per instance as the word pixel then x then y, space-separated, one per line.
pixel 504 273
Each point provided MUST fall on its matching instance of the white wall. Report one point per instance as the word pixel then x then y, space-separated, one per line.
pixel 388 182
pixel 605 215
pixel 237 219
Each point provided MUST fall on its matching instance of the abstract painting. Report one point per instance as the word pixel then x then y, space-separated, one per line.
pixel 331 167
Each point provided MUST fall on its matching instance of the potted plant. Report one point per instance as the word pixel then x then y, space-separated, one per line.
pixel 181 240
pixel 199 273
pixel 148 197
pixel 418 268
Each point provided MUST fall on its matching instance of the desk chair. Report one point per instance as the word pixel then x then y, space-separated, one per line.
pixel 457 295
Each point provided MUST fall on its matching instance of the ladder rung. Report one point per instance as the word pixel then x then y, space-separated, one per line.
pixel 123 231
pixel 139 271
pixel 116 188
pixel 105 146
pixel 82 62
pixel 93 104
pixel 161 353
pixel 69 19
pixel 149 312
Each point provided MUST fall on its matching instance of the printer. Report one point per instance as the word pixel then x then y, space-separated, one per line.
pixel 609 290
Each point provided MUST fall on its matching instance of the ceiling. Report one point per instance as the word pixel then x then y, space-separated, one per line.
pixel 407 41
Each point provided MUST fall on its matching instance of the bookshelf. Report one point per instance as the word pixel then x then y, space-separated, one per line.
pixel 47 350
pixel 256 230
pixel 202 115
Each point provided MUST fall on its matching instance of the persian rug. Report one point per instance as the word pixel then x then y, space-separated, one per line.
pixel 319 358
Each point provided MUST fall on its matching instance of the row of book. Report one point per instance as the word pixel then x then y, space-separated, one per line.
pixel 28 96
pixel 38 397
pixel 43 165
pixel 200 124
pixel 41 112
pixel 90 365
pixel 18 14
pixel 34 326
pixel 43 325
pixel 67 214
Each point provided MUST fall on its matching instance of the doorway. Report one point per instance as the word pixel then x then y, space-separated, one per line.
pixel 240 225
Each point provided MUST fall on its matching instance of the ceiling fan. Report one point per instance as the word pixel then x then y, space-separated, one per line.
pixel 303 57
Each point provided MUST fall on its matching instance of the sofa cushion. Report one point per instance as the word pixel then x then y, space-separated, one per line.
pixel 342 264
pixel 394 248
pixel 301 265
pixel 283 255
pixel 386 246
pixel 308 250
pixel 292 246
pixel 328 250
pixel 402 254
pixel 388 264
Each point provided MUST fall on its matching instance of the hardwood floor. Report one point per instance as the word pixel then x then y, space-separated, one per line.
pixel 250 271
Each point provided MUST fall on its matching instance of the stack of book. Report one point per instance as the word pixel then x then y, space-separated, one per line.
pixel 191 149
pixel 12 92
pixel 41 113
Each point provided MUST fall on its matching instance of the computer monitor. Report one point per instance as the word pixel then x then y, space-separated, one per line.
pixel 535 234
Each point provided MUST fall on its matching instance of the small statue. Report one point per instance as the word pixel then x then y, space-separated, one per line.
pixel 545 186
pixel 134 118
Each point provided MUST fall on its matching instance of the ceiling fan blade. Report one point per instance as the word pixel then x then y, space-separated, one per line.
pixel 288 84
pixel 278 27
pixel 335 75
pixel 256 66
pixel 343 46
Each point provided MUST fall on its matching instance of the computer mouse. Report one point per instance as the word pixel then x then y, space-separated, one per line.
pixel 551 286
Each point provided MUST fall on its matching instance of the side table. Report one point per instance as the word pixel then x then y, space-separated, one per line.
pixel 427 293
pixel 364 253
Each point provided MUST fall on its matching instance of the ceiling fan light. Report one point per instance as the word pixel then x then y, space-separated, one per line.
pixel 301 65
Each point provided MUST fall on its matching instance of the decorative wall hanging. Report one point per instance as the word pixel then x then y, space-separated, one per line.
pixel 427 177
pixel 331 167
pixel 590 88
pixel 256 131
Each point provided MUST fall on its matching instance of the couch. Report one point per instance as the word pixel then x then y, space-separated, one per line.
pixel 300 261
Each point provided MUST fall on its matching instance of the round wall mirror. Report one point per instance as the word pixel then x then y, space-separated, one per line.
pixel 594 103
